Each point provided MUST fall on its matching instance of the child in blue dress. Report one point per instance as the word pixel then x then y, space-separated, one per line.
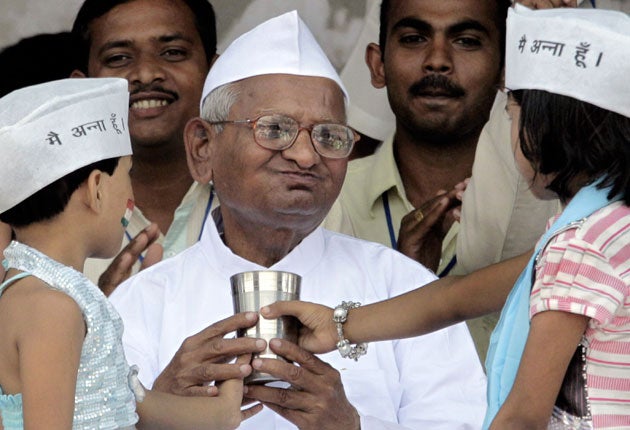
pixel 66 192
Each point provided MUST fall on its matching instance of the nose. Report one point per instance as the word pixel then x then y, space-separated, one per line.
pixel 438 56
pixel 145 70
pixel 302 152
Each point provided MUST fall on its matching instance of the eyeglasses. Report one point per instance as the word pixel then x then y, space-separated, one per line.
pixel 279 132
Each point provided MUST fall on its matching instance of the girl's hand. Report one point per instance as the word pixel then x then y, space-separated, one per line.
pixel 318 333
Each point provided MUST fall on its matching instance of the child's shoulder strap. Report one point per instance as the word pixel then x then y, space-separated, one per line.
pixel 12 280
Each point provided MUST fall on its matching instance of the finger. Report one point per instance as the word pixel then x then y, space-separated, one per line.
pixel 142 240
pixel 294 416
pixel 462 185
pixel 118 271
pixel 120 268
pixel 154 254
pixel 250 412
pixel 433 201
pixel 286 397
pixel 199 391
pixel 223 371
pixel 228 325
pixel 432 215
pixel 222 351
pixel 309 314
pixel 305 359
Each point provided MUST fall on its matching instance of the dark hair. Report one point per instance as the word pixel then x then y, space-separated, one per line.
pixel 36 59
pixel 53 198
pixel 202 10
pixel 502 7
pixel 577 141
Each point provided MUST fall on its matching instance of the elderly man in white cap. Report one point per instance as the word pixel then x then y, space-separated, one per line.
pixel 273 139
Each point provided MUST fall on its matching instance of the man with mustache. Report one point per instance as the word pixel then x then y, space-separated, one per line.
pixel 441 63
pixel 164 48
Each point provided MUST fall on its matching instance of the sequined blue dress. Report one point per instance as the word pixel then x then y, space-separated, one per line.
pixel 103 398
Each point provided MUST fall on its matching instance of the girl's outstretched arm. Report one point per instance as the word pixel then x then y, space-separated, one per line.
pixel 434 306
pixel 220 411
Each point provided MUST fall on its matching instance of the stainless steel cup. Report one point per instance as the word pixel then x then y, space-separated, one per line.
pixel 251 291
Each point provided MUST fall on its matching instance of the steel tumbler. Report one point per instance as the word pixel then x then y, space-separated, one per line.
pixel 254 289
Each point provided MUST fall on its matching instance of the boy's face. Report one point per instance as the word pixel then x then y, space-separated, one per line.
pixel 154 44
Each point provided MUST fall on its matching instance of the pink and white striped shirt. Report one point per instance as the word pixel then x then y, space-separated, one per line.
pixel 586 271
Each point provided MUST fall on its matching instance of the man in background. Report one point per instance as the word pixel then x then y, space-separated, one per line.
pixel 164 48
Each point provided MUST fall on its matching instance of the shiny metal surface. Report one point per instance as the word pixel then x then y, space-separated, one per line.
pixel 251 291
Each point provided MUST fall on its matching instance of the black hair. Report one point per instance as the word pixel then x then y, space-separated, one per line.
pixel 36 59
pixel 53 198
pixel 502 7
pixel 202 11
pixel 577 141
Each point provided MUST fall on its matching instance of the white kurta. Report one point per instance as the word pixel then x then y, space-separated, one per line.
pixel 429 382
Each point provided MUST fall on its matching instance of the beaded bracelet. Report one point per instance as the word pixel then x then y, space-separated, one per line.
pixel 340 315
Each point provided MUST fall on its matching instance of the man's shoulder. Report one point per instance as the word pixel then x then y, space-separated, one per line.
pixel 377 160
pixel 343 243
pixel 160 275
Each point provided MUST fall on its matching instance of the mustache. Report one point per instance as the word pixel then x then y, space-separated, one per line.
pixel 441 83
pixel 156 88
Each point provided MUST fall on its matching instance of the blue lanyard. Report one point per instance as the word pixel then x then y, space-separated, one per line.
pixel 205 217
pixel 388 218
pixel 392 235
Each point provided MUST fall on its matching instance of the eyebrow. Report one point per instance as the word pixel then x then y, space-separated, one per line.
pixel 424 26
pixel 127 43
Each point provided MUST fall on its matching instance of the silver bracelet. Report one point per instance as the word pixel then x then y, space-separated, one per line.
pixel 340 315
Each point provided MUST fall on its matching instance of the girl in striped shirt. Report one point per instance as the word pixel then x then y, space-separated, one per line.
pixel 560 355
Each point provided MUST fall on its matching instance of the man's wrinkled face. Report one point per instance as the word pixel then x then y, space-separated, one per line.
pixel 442 65
pixel 154 44
pixel 294 187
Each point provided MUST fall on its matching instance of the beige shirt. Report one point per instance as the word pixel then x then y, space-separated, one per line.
pixel 361 202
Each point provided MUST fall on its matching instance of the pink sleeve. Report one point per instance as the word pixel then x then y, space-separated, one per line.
pixel 575 277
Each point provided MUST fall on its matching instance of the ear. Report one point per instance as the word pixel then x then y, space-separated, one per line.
pixel 94 191
pixel 197 139
pixel 374 62
pixel 76 73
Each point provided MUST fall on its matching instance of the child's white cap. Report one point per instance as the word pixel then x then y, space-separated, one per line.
pixel 580 53
pixel 52 129
pixel 283 45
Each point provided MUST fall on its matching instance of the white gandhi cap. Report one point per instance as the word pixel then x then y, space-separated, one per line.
pixel 282 45
pixel 52 129
pixel 579 53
